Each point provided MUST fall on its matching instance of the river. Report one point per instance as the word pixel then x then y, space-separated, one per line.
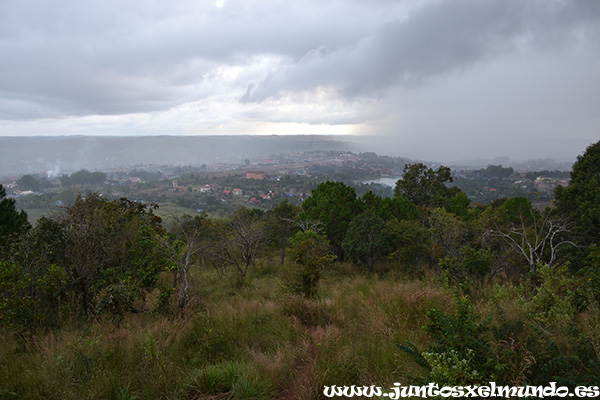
pixel 388 181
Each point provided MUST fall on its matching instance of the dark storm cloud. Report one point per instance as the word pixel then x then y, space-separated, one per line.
pixel 413 70
pixel 439 37
pixel 64 57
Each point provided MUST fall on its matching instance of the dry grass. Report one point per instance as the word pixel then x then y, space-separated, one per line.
pixel 255 342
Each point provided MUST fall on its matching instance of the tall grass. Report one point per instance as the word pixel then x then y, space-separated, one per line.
pixel 256 342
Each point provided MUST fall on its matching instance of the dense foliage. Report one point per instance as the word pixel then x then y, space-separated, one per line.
pixel 12 222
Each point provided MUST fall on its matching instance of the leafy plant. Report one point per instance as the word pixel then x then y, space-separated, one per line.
pixel 311 255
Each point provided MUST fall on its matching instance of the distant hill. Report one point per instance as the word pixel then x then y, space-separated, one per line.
pixel 21 155
pixel 65 154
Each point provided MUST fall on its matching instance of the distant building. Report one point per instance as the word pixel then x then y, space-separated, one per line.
pixel 238 192
pixel 178 188
pixel 260 175
pixel 545 184
pixel 205 189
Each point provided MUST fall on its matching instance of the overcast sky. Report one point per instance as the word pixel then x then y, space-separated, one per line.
pixel 439 80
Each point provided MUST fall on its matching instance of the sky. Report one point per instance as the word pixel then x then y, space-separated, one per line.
pixel 428 79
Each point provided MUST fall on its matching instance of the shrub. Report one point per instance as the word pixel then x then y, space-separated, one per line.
pixel 311 255
pixel 26 299
pixel 460 336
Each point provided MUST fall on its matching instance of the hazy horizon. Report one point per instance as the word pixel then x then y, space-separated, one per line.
pixel 54 155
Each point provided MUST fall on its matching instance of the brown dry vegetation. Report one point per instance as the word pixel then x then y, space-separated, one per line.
pixel 256 342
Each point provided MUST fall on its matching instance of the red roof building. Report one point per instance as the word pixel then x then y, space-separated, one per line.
pixel 260 175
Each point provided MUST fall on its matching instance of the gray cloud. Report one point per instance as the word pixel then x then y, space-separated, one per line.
pixel 429 76
pixel 439 37
pixel 65 57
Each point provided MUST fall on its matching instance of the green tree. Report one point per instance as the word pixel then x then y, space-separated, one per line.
pixel 498 171
pixel 459 204
pixel 311 255
pixel 32 182
pixel 83 177
pixel 65 181
pixel 366 240
pixel 12 222
pixel 460 348
pixel 335 205
pixel 27 299
pixel 580 200
pixel 469 269
pixel 390 207
pixel 411 243
pixel 448 233
pixel 43 246
pixel 107 250
pixel 281 225
pixel 425 186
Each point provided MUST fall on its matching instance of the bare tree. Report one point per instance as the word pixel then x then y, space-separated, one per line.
pixel 184 247
pixel 248 236
pixel 534 235
pixel 306 225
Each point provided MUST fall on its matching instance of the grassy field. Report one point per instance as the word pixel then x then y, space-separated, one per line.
pixel 254 342
pixel 262 341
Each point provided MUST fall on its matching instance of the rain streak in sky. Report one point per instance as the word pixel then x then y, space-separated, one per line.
pixel 430 79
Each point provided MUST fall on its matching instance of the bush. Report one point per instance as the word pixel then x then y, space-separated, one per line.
pixel 115 299
pixel 311 255
pixel 460 336
pixel 232 379
pixel 26 299
pixel 469 269
pixel 17 306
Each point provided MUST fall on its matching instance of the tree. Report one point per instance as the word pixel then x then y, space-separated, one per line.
pixel 282 225
pixel 249 236
pixel 109 252
pixel 236 242
pixel 27 299
pixel 469 269
pixel 366 240
pixel 459 204
pixel 425 186
pixel 390 207
pixel 498 171
pixel 32 182
pixel 411 240
pixel 183 247
pixel 580 200
pixel 12 222
pixel 83 177
pixel 537 237
pixel 335 205
pixel 312 255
